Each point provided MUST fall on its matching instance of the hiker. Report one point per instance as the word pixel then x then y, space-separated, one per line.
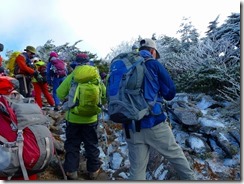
pixel 23 71
pixel 2 71
pixel 73 64
pixel 41 87
pixel 78 58
pixel 54 79
pixel 103 77
pixel 81 128
pixel 1 49
pixel 135 48
pixel 155 131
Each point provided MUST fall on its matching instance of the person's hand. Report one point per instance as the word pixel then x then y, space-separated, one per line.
pixel 36 73
pixel 38 76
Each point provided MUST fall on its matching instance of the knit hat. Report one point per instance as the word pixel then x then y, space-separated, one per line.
pixel 53 54
pixel 30 49
pixel 82 58
pixel 147 42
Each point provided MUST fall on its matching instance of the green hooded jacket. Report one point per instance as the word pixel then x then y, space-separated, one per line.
pixel 63 91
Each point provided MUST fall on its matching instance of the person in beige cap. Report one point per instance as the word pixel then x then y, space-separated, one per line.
pixel 154 130
pixel 24 71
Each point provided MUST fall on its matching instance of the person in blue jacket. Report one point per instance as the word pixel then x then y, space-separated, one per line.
pixel 55 80
pixel 154 129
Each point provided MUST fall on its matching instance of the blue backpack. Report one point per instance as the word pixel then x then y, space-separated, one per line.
pixel 126 102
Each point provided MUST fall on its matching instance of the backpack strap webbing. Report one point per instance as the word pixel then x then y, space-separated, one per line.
pixel 127 131
pixel 20 144
pixel 137 128
pixel 48 152
pixel 2 139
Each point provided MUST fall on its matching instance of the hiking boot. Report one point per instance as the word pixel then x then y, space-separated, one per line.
pixel 94 175
pixel 72 175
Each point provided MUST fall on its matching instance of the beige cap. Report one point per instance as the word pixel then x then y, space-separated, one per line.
pixel 147 42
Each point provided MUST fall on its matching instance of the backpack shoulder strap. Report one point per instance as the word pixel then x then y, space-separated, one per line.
pixel 5 110
pixel 149 76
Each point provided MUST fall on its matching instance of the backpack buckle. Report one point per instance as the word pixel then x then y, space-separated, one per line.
pixel 13 126
pixel 20 136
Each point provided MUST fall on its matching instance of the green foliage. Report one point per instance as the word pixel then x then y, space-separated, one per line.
pixel 202 79
pixel 102 66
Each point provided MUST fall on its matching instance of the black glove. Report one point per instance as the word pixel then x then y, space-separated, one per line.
pixel 38 76
pixel 36 73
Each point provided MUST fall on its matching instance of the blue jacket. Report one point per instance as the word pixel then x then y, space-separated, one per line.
pixel 49 74
pixel 162 84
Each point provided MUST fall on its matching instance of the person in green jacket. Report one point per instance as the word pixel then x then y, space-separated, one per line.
pixel 80 129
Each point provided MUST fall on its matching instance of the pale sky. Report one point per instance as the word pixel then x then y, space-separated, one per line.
pixel 102 24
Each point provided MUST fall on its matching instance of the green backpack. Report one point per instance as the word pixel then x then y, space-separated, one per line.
pixel 85 94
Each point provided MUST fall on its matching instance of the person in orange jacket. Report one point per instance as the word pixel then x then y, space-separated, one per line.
pixel 24 71
pixel 41 87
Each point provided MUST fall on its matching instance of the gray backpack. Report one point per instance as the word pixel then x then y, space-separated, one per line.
pixel 126 102
pixel 26 143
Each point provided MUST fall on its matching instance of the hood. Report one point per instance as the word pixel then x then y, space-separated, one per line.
pixel 145 54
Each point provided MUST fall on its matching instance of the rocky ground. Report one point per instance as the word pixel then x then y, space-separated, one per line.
pixel 199 119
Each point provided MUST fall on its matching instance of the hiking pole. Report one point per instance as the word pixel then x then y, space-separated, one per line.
pixel 60 164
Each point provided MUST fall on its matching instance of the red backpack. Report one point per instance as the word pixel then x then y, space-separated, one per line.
pixel 8 84
pixel 26 143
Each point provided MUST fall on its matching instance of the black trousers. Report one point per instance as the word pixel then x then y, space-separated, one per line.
pixel 75 134
pixel 25 86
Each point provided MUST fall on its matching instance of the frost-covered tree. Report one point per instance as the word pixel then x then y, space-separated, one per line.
pixel 213 64
pixel 124 46
pixel 210 64
pixel 188 34
pixel 65 52
pixel 169 49
pixel 230 30
pixel 212 27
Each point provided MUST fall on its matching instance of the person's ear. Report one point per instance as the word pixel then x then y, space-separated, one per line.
pixel 154 53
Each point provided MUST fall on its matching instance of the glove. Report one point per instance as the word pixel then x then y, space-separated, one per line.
pixel 39 78
pixel 36 73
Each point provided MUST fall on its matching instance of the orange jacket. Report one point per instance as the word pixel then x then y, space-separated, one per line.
pixel 23 67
